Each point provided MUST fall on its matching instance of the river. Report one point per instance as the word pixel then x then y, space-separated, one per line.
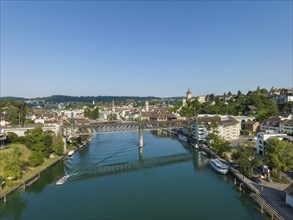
pixel 187 189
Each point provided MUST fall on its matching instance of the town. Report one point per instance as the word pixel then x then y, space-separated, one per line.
pixel 253 130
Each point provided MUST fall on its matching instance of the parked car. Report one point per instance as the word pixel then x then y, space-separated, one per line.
pixel 256 179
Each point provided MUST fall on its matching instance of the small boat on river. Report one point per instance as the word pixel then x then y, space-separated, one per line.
pixel 62 180
pixel 70 153
pixel 182 137
pixel 219 166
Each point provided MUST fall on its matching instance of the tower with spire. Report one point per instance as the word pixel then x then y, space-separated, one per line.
pixel 113 106
pixel 146 105
pixel 188 95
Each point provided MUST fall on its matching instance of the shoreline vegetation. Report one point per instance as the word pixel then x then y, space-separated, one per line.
pixel 25 157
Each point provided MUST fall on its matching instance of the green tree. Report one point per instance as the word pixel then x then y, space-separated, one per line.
pixel 39 141
pixel 58 145
pixel 36 159
pixel 218 144
pixel 11 137
pixel 279 154
pixel 245 158
pixel 13 163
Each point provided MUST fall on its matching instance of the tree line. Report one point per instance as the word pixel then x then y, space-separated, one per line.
pixel 235 104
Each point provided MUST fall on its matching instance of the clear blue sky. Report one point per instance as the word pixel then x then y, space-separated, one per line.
pixel 144 48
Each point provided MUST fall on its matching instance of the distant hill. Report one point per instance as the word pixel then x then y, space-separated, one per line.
pixel 13 98
pixel 63 98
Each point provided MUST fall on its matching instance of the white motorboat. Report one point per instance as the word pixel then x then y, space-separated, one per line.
pixel 219 166
pixel 62 180
pixel 70 153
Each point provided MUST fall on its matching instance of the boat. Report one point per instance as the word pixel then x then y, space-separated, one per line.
pixel 196 146
pixel 182 138
pixel 62 180
pixel 203 153
pixel 70 153
pixel 219 166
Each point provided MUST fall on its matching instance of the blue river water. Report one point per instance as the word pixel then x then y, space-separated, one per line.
pixel 187 189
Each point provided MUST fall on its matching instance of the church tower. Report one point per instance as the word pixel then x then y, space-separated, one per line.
pixel 188 95
pixel 113 106
pixel 146 105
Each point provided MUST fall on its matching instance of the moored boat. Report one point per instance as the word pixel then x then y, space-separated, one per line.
pixel 62 180
pixel 70 153
pixel 219 166
pixel 182 137
pixel 203 153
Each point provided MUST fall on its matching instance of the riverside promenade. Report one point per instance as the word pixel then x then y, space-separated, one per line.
pixel 269 195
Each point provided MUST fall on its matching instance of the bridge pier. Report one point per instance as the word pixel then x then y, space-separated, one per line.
pixel 140 137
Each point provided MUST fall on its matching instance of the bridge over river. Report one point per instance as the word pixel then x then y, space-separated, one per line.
pixel 110 127
pixel 113 127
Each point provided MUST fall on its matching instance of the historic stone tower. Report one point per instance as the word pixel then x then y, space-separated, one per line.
pixel 146 106
pixel 188 95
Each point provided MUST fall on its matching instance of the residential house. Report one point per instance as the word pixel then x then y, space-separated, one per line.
pixel 4 120
pixel 162 116
pixel 251 126
pixel 250 110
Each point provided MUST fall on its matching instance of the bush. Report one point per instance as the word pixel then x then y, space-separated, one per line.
pixel 11 137
pixel 1 179
pixel 279 178
pixel 36 159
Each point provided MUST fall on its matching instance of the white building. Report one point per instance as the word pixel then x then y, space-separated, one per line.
pixel 201 99
pixel 228 127
pixel 262 137
pixel 278 124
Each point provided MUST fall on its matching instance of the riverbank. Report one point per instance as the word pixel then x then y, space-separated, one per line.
pixel 30 177
pixel 269 196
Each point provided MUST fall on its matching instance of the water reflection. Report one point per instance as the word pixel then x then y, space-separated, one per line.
pixel 13 207
pixel 47 178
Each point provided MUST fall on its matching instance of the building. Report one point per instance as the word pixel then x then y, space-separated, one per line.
pixel 162 116
pixel 278 124
pixel 4 121
pixel 262 137
pixel 228 127
pixel 251 126
pixel 250 110
pixel 146 106
pixel 289 195
pixel 188 95
pixel 201 99
pixel 281 99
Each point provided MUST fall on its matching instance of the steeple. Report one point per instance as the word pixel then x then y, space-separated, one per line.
pixel 146 105
pixel 113 106
pixel 188 94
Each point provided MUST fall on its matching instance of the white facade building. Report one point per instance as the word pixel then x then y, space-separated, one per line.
pixel 262 137
pixel 228 127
